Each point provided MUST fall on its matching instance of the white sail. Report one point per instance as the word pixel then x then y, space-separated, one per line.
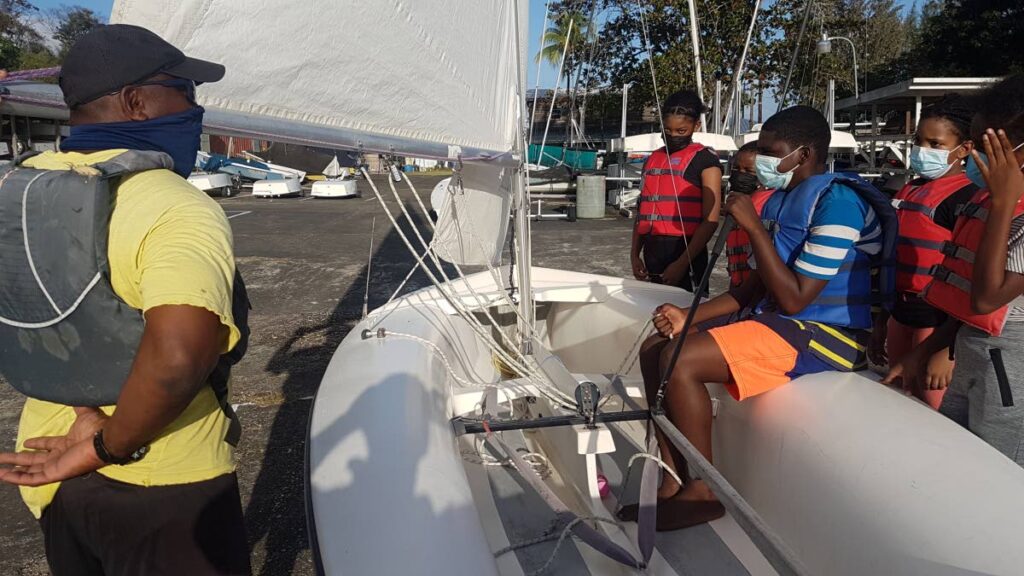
pixel 333 170
pixel 393 76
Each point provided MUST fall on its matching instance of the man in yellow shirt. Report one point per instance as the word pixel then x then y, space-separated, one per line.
pixel 146 486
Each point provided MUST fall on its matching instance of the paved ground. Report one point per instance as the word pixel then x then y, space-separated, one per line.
pixel 304 261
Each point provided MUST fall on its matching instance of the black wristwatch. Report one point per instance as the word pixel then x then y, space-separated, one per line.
pixel 108 458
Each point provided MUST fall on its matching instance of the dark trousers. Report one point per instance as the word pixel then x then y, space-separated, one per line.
pixel 100 527
pixel 660 251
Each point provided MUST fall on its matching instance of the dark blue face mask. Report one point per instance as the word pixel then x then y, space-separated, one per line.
pixel 177 135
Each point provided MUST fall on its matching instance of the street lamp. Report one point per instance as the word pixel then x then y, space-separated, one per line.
pixel 824 46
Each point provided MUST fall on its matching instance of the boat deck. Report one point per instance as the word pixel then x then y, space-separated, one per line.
pixel 304 262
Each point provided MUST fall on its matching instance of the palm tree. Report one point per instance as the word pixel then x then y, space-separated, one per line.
pixel 553 41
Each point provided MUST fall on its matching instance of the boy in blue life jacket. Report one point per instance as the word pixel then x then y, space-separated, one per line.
pixel 812 294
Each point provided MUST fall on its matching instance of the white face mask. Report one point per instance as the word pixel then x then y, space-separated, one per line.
pixel 931 163
pixel 768 171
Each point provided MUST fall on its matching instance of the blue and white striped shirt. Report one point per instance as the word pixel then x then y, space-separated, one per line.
pixel 841 220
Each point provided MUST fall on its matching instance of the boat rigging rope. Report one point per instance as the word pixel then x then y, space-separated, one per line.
pixel 642 335
pixel 523 368
pixel 481 302
pixel 549 537
pixel 450 298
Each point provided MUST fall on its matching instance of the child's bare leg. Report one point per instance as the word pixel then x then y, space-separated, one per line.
pixel 688 406
pixel 650 365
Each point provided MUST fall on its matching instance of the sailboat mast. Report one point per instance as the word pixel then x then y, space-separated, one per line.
pixel 695 38
pixel 522 212
pixel 738 76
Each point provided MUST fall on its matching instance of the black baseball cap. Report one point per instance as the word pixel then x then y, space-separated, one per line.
pixel 117 55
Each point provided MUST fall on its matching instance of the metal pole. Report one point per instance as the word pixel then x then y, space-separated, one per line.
pixel 522 213
pixel 717 128
pixel 774 548
pixel 856 89
pixel 738 73
pixel 536 85
pixel 796 52
pixel 695 38
pixel 830 104
pixel 554 95
pixel 625 100
pixel 738 112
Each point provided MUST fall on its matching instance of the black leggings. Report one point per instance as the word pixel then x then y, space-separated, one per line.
pixel 660 251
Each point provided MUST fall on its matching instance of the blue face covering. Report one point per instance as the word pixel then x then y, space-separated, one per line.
pixel 974 173
pixel 177 135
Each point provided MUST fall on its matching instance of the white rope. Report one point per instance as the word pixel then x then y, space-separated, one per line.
pixel 539 462
pixel 454 198
pixel 525 370
pixel 440 354
pixel 482 303
pixel 661 463
pixel 565 532
pixel 456 306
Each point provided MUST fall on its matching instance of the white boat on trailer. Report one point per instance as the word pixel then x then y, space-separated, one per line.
pixel 280 188
pixel 337 184
pixel 468 428
pixel 215 183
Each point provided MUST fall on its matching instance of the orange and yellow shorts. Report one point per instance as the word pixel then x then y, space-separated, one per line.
pixel 764 353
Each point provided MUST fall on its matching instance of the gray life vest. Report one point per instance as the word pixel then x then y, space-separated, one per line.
pixel 65 336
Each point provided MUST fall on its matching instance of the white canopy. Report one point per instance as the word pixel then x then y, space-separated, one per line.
pixel 399 77
pixel 841 141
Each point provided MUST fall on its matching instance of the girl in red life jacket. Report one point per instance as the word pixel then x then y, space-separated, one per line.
pixel 743 180
pixel 679 201
pixel 927 207
pixel 980 282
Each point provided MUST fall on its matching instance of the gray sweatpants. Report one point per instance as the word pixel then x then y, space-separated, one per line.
pixel 974 399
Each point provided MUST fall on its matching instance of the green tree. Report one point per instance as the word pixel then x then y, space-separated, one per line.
pixel 880 33
pixel 16 36
pixel 73 22
pixel 969 38
pixel 623 55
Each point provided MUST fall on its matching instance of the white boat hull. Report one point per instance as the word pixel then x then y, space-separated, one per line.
pixel 276 188
pixel 334 189
pixel 217 182
pixel 855 478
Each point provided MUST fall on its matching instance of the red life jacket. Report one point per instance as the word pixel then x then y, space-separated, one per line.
pixel 669 205
pixel 950 289
pixel 920 243
pixel 737 243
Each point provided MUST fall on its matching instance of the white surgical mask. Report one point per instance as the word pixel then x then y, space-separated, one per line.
pixel 931 163
pixel 768 171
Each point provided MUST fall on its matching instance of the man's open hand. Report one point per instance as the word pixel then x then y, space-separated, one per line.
pixel 55 458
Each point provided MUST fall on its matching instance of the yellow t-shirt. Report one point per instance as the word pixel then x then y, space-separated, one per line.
pixel 169 244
